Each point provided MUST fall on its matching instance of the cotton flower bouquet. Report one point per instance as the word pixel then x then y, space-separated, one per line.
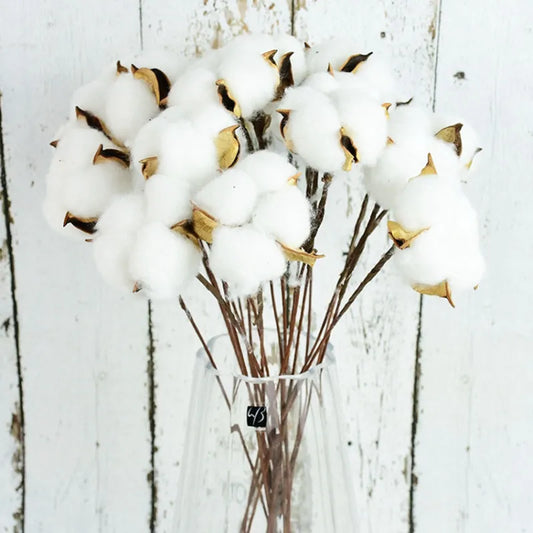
pixel 217 169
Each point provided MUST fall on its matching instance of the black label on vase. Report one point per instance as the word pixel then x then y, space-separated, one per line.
pixel 256 416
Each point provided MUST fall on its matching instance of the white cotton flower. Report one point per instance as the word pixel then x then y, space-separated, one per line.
pixel 268 170
pixel 229 198
pixel 130 103
pixel 168 199
pixel 114 238
pixel 162 262
pixel 375 74
pixel 186 152
pixel 285 215
pixel 250 77
pixel 448 249
pixel 313 128
pixel 54 213
pixel 88 192
pixel 194 88
pixel 438 255
pixel 125 213
pixel 397 164
pixel 364 120
pixel 111 252
pixel 470 143
pixel 90 97
pixel 76 147
pixel 430 199
pixel 409 123
pixel 245 258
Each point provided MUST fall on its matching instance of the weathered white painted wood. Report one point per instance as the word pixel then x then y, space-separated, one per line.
pixel 474 460
pixel 193 27
pixel 83 347
pixel 11 449
pixel 376 344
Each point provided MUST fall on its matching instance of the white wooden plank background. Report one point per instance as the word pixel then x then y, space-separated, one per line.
pixel 106 396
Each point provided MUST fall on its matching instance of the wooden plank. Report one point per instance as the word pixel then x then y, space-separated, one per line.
pixel 474 455
pixel 194 27
pixel 11 404
pixel 376 345
pixel 83 347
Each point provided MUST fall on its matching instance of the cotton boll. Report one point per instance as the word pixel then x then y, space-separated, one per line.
pixel 187 153
pixel 88 192
pixel 111 253
pixel 90 97
pixel 76 147
pixel 376 74
pixel 251 79
pixel 230 198
pixel 334 52
pixel 194 88
pixel 429 200
pixel 469 139
pixel 162 262
pixel 168 199
pixel 411 124
pixel 124 214
pixel 268 170
pixel 397 164
pixel 245 258
pixel 442 255
pixel 425 262
pixel 54 213
pixel 285 215
pixel 444 157
pixel 130 103
pixel 364 121
pixel 469 271
pixel 313 128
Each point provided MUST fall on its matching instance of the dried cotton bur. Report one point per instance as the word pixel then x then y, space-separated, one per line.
pixel 218 168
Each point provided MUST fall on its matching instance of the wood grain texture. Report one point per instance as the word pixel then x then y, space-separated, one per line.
pixel 199 26
pixel 376 344
pixel 83 347
pixel 11 397
pixel 474 460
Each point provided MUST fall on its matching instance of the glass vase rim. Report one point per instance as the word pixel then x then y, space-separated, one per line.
pixel 327 362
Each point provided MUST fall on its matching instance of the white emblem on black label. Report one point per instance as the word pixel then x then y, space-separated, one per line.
pixel 256 416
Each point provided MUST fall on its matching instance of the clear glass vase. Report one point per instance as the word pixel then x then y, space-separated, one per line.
pixel 263 454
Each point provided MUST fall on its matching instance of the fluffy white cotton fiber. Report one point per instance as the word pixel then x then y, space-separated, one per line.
pixel 245 258
pixel 449 248
pixel 130 103
pixel 313 128
pixel 364 121
pixel 250 77
pixel 285 215
pixel 229 198
pixel 268 170
pixel 188 153
pixel 162 262
pixel 168 199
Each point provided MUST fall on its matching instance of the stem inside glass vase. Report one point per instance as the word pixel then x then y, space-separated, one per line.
pixel 270 457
